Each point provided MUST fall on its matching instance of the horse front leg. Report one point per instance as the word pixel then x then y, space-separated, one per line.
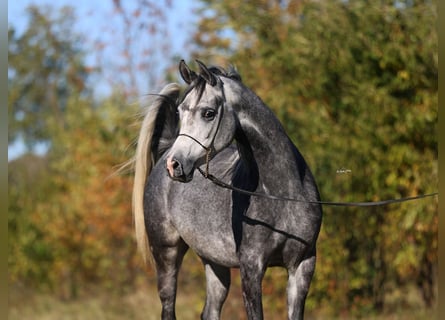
pixel 252 272
pixel 168 261
pixel 217 288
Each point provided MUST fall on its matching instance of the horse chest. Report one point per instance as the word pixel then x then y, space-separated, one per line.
pixel 206 226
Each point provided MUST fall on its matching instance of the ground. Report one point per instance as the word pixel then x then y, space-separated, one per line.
pixel 142 302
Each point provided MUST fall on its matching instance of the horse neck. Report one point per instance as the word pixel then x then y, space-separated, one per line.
pixel 263 141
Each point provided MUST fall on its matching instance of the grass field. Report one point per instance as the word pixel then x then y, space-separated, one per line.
pixel 143 302
pixel 145 305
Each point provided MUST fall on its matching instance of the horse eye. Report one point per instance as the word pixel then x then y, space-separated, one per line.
pixel 208 114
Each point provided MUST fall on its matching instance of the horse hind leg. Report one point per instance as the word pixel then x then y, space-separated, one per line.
pixel 299 280
pixel 168 261
pixel 217 288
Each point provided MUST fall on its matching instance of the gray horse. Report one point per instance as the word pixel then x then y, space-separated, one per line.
pixel 222 128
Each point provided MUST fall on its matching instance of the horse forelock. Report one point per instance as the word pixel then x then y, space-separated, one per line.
pixel 199 84
pixel 232 73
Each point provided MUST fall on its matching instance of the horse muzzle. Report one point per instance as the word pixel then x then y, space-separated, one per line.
pixel 176 170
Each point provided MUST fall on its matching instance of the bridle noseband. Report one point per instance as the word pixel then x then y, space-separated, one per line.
pixel 207 149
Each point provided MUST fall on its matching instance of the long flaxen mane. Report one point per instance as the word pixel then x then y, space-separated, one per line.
pixel 156 134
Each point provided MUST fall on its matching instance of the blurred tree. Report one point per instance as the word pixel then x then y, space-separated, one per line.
pixel 69 216
pixel 143 41
pixel 355 85
pixel 45 69
pixel 28 256
pixel 46 66
pixel 87 221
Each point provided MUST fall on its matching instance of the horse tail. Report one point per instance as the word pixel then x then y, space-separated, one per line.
pixel 155 137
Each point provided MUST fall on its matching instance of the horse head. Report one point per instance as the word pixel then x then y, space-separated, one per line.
pixel 207 121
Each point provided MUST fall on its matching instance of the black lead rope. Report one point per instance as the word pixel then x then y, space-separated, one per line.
pixel 207 175
pixel 222 184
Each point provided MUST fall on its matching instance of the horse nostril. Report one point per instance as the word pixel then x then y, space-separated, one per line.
pixel 174 167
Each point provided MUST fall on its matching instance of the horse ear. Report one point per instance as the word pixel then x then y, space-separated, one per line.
pixel 208 76
pixel 187 74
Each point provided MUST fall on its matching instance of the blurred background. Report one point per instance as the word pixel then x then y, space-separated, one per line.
pixel 353 82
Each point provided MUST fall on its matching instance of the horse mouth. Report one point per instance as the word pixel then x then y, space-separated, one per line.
pixel 183 178
pixel 177 171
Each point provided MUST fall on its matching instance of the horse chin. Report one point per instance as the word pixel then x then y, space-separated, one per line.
pixel 183 178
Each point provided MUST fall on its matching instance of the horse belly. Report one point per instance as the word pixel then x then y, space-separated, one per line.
pixel 208 247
